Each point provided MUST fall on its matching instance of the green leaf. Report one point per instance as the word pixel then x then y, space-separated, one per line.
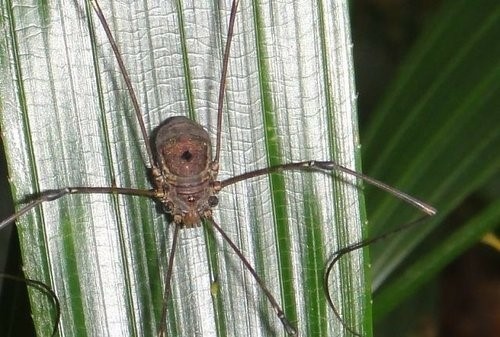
pixel 436 135
pixel 67 120
pixel 430 263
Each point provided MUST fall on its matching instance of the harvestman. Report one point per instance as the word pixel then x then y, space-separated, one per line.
pixel 184 178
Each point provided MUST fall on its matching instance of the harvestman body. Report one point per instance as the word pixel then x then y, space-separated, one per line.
pixel 184 176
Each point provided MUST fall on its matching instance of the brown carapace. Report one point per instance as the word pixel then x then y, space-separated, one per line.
pixel 185 176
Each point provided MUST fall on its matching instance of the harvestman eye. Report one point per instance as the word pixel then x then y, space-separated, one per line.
pixel 187 156
pixel 184 178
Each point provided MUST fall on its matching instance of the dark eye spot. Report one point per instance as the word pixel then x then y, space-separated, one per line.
pixel 187 156
pixel 213 201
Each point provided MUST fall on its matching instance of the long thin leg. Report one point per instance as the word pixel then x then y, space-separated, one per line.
pixel 44 289
pixel 329 166
pixel 336 256
pixel 222 87
pixel 168 278
pixel 52 195
pixel 290 330
pixel 126 77
pixel 332 166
